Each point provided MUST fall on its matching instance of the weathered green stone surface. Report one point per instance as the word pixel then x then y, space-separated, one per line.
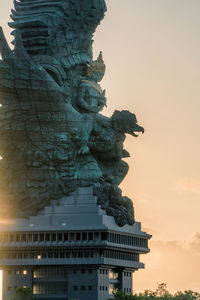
pixel 53 137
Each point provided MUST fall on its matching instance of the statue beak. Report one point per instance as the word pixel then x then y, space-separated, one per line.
pixel 137 129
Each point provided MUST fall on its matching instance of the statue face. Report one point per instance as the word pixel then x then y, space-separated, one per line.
pixel 97 76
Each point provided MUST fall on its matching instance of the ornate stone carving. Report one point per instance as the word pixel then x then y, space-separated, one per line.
pixel 53 137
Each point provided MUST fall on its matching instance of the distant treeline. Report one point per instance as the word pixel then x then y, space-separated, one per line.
pixel 161 293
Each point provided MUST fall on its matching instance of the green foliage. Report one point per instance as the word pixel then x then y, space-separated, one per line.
pixel 120 295
pixel 187 295
pixel 161 293
pixel 22 293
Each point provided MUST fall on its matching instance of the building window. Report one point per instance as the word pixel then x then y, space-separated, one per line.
pixel 48 238
pixel 42 237
pixel 90 271
pixel 11 238
pixel 75 288
pixel 112 288
pixel 74 254
pixel 103 236
pixel 24 272
pixel 113 274
pixel 80 254
pixel 84 236
pixel 17 238
pixel 35 237
pixel 9 288
pixel 60 237
pixel 101 253
pixel 9 272
pixel 86 254
pixel 36 289
pixel 83 288
pixel 96 236
pixel 50 272
pixel 66 237
pixel 90 236
pixel 17 272
pixel 90 287
pixel 29 238
pixel 71 236
pixel 23 238
pixel 53 237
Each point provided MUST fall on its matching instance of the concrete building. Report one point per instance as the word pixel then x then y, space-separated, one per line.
pixel 71 250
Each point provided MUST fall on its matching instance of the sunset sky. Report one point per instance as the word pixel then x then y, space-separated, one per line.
pixel 152 52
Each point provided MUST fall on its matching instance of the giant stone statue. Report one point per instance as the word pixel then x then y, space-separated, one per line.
pixel 53 137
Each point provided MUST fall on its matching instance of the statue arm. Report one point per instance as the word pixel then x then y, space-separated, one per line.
pixel 82 95
pixel 102 101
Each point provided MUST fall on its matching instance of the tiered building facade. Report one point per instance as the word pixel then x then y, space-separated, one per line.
pixel 71 250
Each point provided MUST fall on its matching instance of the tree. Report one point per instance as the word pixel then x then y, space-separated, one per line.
pixel 120 295
pixel 161 293
pixel 22 293
pixel 187 295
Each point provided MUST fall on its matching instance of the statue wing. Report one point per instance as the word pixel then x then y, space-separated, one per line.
pixel 59 28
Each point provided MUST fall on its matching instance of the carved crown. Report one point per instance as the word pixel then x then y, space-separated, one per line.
pixel 96 66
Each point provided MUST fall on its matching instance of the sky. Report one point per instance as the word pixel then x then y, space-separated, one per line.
pixel 152 53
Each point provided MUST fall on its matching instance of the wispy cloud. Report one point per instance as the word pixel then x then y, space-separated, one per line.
pixel 195 244
pixel 190 185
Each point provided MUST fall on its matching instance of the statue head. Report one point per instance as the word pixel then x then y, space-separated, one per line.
pixel 125 122
pixel 96 70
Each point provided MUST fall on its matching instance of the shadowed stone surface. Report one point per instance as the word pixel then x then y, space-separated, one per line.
pixel 53 137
